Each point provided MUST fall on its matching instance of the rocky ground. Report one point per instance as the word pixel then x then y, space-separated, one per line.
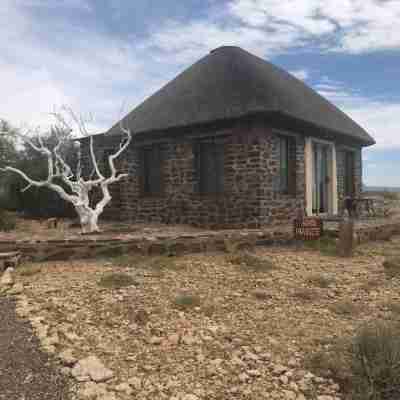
pixel 201 326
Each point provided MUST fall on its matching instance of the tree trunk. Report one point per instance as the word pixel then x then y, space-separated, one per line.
pixel 88 219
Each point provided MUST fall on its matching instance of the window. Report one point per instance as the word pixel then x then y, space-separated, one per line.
pixel 349 173
pixel 284 163
pixel 151 175
pixel 287 164
pixel 210 167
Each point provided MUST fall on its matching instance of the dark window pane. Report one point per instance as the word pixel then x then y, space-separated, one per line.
pixel 151 170
pixel 211 167
pixel 284 163
pixel 349 173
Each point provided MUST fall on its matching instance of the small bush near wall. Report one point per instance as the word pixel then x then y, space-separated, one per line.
pixel 8 221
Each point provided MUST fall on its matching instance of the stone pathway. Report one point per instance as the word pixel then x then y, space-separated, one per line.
pixel 26 373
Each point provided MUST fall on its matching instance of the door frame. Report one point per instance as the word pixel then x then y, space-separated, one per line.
pixel 309 175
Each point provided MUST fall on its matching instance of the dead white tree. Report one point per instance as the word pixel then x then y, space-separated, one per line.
pixel 79 188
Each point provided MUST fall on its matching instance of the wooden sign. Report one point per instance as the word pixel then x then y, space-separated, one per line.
pixel 308 228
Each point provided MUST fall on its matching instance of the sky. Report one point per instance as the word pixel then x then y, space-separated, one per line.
pixel 106 56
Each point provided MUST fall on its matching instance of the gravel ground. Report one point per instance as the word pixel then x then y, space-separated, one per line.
pixel 26 373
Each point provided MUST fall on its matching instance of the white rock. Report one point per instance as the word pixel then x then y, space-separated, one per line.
pixel 7 278
pixel 93 368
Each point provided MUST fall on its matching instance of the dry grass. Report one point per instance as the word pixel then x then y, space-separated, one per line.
pixel 305 294
pixel 321 280
pixel 116 281
pixel 251 262
pixel 392 266
pixel 346 308
pixel 29 270
pixel 185 301
pixel 366 365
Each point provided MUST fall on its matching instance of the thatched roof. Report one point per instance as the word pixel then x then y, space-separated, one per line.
pixel 231 83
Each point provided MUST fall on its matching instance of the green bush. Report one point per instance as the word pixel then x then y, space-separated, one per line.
pixel 8 221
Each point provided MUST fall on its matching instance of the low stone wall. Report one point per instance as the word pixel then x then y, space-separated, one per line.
pixel 380 232
pixel 185 243
pixel 53 250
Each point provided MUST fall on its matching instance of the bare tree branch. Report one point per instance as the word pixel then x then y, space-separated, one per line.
pixel 59 168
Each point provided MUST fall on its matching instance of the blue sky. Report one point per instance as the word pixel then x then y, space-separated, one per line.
pixel 95 55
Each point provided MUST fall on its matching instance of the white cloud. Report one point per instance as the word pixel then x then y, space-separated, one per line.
pixel 356 25
pixel 303 14
pixel 302 74
pixel 379 118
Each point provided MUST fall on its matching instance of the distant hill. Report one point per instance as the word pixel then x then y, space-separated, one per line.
pixel 381 189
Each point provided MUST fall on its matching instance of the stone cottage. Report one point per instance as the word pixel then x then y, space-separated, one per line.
pixel 233 142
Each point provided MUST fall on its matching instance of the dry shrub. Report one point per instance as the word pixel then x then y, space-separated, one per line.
pixel 8 221
pixel 390 196
pixel 305 294
pixel 346 308
pixel 392 266
pixel 185 301
pixel 116 280
pixel 366 366
pixel 321 280
pixel 251 262
pixel 162 263
pixel 326 245
pixel 393 306
pixel 261 294
pixel 376 362
pixel 29 270
pixel 332 362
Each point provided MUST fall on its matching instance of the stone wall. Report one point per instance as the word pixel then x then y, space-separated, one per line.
pixel 251 196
